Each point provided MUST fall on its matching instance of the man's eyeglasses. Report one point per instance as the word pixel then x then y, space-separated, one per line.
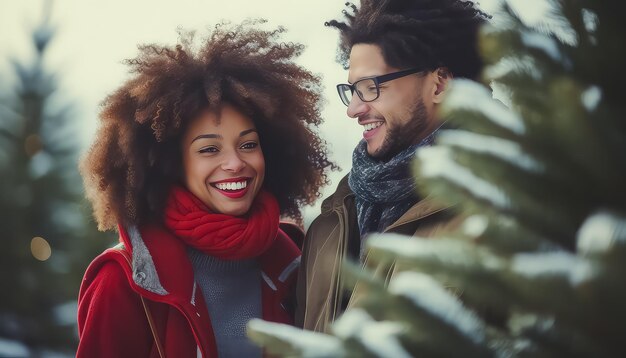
pixel 368 88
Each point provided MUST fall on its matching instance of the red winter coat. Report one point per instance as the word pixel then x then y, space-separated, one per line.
pixel 153 264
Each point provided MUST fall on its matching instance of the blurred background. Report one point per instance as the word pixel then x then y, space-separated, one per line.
pixel 58 60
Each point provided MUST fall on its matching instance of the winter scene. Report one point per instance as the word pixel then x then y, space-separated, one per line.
pixel 371 178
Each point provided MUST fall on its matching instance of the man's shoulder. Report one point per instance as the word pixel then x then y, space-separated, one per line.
pixel 426 214
pixel 337 199
pixel 338 213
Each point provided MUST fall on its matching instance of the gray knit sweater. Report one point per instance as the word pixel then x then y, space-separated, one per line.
pixel 232 291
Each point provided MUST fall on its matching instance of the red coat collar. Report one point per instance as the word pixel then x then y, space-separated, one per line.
pixel 162 269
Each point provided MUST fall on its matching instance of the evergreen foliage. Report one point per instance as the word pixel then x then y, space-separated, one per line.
pixel 48 236
pixel 538 267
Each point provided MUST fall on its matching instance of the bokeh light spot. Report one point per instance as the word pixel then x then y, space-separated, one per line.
pixel 40 248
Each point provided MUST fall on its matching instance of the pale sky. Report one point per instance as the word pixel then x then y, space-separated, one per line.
pixel 93 38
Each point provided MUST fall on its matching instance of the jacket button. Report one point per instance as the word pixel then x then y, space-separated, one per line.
pixel 140 276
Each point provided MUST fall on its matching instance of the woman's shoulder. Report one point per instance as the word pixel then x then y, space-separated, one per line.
pixel 110 268
pixel 109 310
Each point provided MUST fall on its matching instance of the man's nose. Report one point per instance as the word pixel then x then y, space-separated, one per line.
pixel 357 107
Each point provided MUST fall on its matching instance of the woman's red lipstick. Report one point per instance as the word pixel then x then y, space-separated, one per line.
pixel 233 188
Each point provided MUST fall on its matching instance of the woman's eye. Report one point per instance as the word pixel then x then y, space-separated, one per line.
pixel 249 145
pixel 208 150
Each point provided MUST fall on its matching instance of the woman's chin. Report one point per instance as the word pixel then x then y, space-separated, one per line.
pixel 235 209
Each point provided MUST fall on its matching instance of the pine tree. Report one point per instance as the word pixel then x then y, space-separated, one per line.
pixel 538 266
pixel 48 236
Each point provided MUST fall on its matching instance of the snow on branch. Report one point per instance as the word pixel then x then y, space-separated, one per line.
pixel 437 162
pixel 308 344
pixel 553 264
pixel 475 225
pixel 545 16
pixel 506 150
pixel 544 43
pixel 450 251
pixel 591 97
pixel 600 232
pixel 379 338
pixel 429 295
pixel 469 95
pixel 524 65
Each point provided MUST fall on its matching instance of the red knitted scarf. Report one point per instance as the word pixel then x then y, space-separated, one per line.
pixel 219 235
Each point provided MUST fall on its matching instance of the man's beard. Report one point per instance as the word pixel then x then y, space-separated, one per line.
pixel 402 135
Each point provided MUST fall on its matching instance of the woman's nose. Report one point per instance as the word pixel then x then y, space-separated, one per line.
pixel 233 163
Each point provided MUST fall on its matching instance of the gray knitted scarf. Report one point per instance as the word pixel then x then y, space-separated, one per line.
pixel 384 190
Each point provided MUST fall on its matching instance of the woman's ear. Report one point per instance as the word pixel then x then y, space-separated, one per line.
pixel 443 76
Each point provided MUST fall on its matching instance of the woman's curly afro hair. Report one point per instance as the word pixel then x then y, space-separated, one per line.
pixel 425 34
pixel 136 156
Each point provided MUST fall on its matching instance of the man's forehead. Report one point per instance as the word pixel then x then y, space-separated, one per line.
pixel 366 60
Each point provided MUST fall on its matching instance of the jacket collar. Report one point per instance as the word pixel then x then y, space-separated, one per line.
pixel 423 208
pixel 337 199
pixel 161 267
pixel 159 262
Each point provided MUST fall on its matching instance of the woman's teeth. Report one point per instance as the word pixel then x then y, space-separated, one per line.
pixel 370 126
pixel 232 186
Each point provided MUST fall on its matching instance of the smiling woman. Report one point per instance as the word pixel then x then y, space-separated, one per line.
pixel 223 161
pixel 196 157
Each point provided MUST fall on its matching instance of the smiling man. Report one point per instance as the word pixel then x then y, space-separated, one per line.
pixel 401 54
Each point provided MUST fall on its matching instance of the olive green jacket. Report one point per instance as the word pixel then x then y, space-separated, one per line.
pixel 321 296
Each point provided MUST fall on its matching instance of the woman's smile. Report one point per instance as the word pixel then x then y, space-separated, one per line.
pixel 233 188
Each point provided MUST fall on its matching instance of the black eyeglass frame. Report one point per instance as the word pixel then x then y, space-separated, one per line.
pixel 378 80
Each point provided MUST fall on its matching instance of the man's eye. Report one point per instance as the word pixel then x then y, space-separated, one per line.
pixel 208 150
pixel 249 145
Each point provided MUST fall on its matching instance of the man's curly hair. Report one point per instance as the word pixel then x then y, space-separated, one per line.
pixel 136 156
pixel 425 34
